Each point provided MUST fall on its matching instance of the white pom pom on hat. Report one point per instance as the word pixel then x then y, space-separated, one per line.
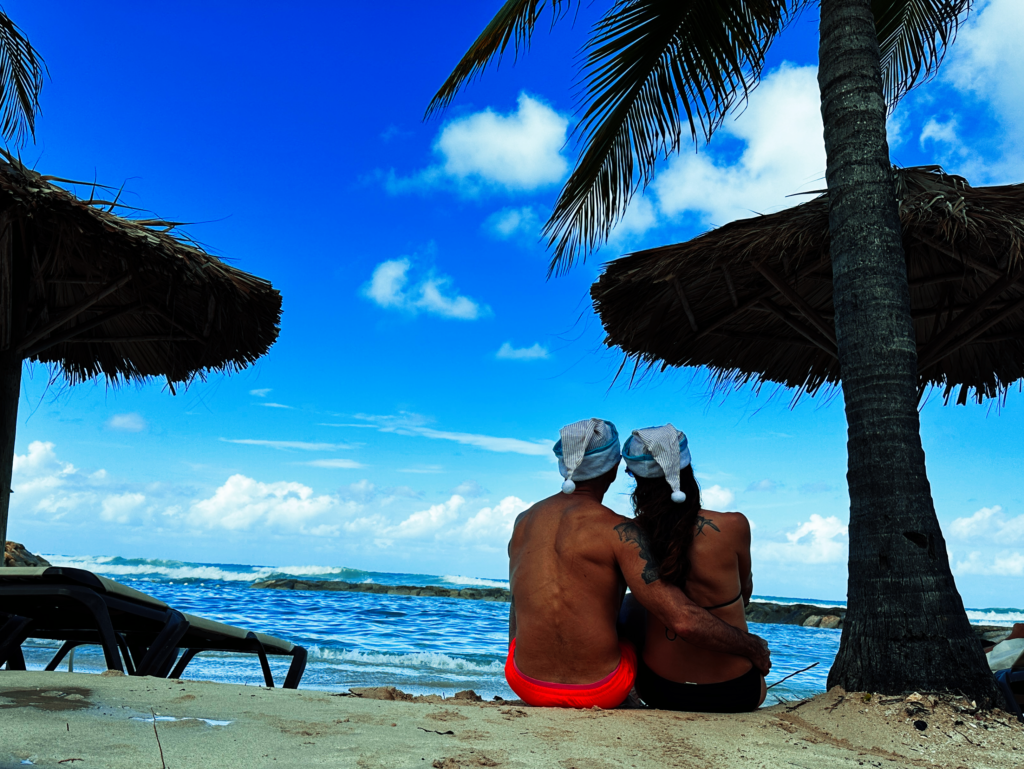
pixel 568 487
pixel 659 452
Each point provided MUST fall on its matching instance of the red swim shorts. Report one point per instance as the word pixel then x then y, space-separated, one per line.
pixel 610 692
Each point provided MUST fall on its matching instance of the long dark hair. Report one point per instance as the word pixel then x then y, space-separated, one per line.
pixel 669 525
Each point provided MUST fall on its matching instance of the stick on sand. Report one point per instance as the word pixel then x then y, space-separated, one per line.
pixel 801 670
pixel 162 764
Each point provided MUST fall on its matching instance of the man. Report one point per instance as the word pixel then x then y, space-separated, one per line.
pixel 570 561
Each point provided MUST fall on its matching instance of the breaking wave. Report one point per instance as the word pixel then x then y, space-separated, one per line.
pixel 995 616
pixel 183 571
pixel 474 581
pixel 415 660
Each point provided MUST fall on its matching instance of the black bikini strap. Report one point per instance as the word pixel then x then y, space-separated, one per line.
pixel 721 605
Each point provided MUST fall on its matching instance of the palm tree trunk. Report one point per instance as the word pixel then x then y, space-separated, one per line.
pixel 906 628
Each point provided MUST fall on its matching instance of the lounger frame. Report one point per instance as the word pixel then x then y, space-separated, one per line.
pixel 138 634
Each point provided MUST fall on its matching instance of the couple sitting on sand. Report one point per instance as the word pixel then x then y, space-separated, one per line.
pixel 680 637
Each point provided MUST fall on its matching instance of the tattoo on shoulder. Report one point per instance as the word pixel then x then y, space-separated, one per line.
pixel 630 532
pixel 702 522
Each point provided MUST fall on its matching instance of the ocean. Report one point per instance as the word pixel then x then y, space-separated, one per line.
pixel 421 645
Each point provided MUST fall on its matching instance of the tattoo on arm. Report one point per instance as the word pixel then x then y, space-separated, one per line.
pixel 630 532
pixel 702 522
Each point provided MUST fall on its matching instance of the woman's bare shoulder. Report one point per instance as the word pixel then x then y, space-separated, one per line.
pixel 732 522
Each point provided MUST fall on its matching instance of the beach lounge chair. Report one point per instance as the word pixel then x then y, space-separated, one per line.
pixel 139 634
pixel 206 635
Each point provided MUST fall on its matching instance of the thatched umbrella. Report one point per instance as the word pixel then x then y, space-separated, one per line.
pixel 752 300
pixel 96 293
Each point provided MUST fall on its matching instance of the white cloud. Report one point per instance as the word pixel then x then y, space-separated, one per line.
pixel 941 132
pixel 284 445
pixel 336 464
pixel 490 442
pixel 273 405
pixel 536 352
pixel 119 507
pixel 640 216
pixel 44 484
pixel 406 423
pixel 242 502
pixel 517 151
pixel 366 515
pixel 428 522
pixel 495 523
pixel 434 294
pixel 387 284
pixel 262 392
pixel 40 457
pixel 762 485
pixel 511 222
pixel 1005 564
pixel 363 493
pixel 815 541
pixel 717 497
pixel 989 523
pixel 423 469
pixel 470 490
pixel 784 152
pixel 520 150
pixel 129 423
pixel 985 62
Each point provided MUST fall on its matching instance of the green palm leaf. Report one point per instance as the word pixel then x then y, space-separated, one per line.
pixel 913 36
pixel 21 80
pixel 648 63
pixel 514 23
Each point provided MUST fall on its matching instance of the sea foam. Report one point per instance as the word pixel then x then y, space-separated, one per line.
pixel 415 660
pixel 142 568
pixel 474 581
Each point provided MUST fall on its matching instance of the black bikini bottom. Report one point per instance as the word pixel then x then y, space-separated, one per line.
pixel 740 695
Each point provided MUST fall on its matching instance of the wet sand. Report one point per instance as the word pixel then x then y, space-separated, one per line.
pixel 81 720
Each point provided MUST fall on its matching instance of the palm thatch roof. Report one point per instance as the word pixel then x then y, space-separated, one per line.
pixel 98 293
pixel 752 300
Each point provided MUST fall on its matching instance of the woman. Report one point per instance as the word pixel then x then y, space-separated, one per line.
pixel 707 555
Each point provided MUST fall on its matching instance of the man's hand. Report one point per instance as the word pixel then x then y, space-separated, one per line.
pixel 760 654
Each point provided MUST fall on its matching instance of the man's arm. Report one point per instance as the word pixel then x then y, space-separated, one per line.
pixel 678 613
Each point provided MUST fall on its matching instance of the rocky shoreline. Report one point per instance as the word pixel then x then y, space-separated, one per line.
pixel 805 615
pixel 15 554
pixel 499 594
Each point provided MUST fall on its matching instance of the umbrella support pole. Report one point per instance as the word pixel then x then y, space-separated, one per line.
pixel 10 390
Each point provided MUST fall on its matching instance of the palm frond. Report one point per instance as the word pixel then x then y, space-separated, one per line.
pixel 21 80
pixel 913 36
pixel 648 63
pixel 513 23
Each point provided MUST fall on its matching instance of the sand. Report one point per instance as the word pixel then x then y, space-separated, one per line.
pixel 81 720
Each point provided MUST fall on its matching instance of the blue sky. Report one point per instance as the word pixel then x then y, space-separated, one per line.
pixel 425 364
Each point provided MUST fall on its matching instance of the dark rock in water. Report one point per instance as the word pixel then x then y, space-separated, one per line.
pixel 498 594
pixel 15 554
pixel 796 614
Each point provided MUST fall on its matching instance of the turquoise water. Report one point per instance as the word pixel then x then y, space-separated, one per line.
pixel 421 645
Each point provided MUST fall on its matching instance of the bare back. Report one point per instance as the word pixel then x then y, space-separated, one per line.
pixel 566 588
pixel 719 574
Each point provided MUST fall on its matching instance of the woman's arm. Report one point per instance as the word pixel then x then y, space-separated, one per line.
pixel 512 619
pixel 742 540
